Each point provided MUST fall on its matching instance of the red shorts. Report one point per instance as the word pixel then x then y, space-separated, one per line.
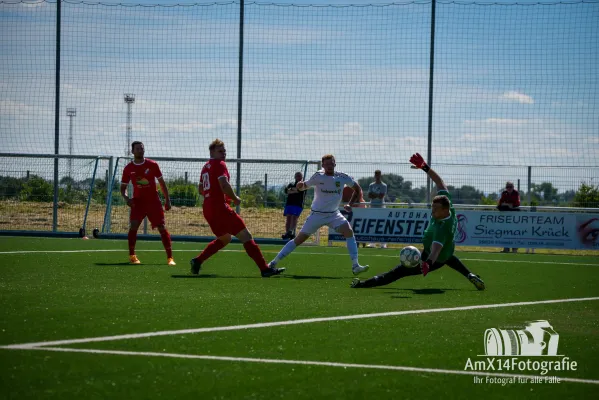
pixel 151 208
pixel 223 220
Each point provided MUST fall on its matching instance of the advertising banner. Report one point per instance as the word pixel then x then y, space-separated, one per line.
pixel 478 228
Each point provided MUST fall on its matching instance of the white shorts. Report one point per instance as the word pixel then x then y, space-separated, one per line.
pixel 317 220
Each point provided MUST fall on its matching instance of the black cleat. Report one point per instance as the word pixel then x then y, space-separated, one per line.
pixel 285 236
pixel 267 273
pixel 356 283
pixel 476 281
pixel 196 266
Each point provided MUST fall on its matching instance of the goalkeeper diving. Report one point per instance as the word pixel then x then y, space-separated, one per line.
pixel 438 239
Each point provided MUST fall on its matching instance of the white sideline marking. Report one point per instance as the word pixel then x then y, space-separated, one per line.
pixel 276 252
pixel 284 323
pixel 316 363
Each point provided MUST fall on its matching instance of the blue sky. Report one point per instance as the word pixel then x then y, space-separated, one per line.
pixel 514 85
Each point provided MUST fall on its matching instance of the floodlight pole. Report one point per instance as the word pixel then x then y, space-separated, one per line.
pixel 71 112
pixel 129 100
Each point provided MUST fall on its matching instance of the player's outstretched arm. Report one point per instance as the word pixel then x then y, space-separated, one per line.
pixel 228 190
pixel 167 199
pixel 419 163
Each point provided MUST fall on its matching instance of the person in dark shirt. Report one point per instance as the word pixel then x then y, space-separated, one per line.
pixel 293 206
pixel 509 201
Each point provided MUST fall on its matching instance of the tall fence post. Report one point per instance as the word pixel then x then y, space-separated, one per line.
pixel 56 120
pixel 240 99
pixel 529 196
pixel 89 196
pixel 265 190
pixel 109 186
pixel 430 99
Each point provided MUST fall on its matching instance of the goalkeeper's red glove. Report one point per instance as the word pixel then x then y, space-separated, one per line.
pixel 419 162
pixel 425 267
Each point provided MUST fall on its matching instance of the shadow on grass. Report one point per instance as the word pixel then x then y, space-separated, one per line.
pixel 206 276
pixel 416 291
pixel 124 264
pixel 310 277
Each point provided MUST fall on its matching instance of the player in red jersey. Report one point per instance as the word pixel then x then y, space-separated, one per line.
pixel 143 172
pixel 223 220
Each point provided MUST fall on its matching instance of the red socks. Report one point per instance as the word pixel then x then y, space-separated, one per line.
pixel 166 242
pixel 132 239
pixel 251 249
pixel 254 252
pixel 210 250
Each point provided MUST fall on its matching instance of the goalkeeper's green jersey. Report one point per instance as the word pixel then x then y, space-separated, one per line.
pixel 442 231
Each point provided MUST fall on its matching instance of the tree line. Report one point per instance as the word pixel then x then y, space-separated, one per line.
pixel 184 193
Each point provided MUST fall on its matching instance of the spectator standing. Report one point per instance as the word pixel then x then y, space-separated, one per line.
pixel 509 201
pixel 293 206
pixel 377 191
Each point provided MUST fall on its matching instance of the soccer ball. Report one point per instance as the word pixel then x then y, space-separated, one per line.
pixel 409 256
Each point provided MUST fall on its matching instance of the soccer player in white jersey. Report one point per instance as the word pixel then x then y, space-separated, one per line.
pixel 328 188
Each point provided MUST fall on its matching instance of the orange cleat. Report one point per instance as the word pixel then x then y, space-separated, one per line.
pixel 134 260
pixel 171 261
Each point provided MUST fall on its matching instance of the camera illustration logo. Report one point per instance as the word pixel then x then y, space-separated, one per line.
pixel 537 338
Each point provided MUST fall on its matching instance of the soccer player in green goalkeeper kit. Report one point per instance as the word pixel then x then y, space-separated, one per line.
pixel 438 239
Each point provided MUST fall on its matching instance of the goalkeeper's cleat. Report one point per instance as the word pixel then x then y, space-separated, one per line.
pixel 196 265
pixel 358 269
pixel 134 260
pixel 476 281
pixel 171 261
pixel 356 283
pixel 267 273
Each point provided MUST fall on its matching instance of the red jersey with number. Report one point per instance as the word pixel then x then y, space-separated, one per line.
pixel 143 176
pixel 213 193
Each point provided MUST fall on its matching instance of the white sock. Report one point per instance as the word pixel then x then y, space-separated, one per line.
pixel 352 247
pixel 285 251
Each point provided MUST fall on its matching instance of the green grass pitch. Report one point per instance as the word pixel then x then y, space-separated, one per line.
pixel 63 289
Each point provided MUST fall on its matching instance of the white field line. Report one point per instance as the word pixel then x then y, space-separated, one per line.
pixel 315 363
pixel 285 323
pixel 276 252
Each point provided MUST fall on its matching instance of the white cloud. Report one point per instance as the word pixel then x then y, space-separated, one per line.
pixel 496 121
pixel 33 4
pixel 347 129
pixel 519 97
pixel 352 129
pixel 311 133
